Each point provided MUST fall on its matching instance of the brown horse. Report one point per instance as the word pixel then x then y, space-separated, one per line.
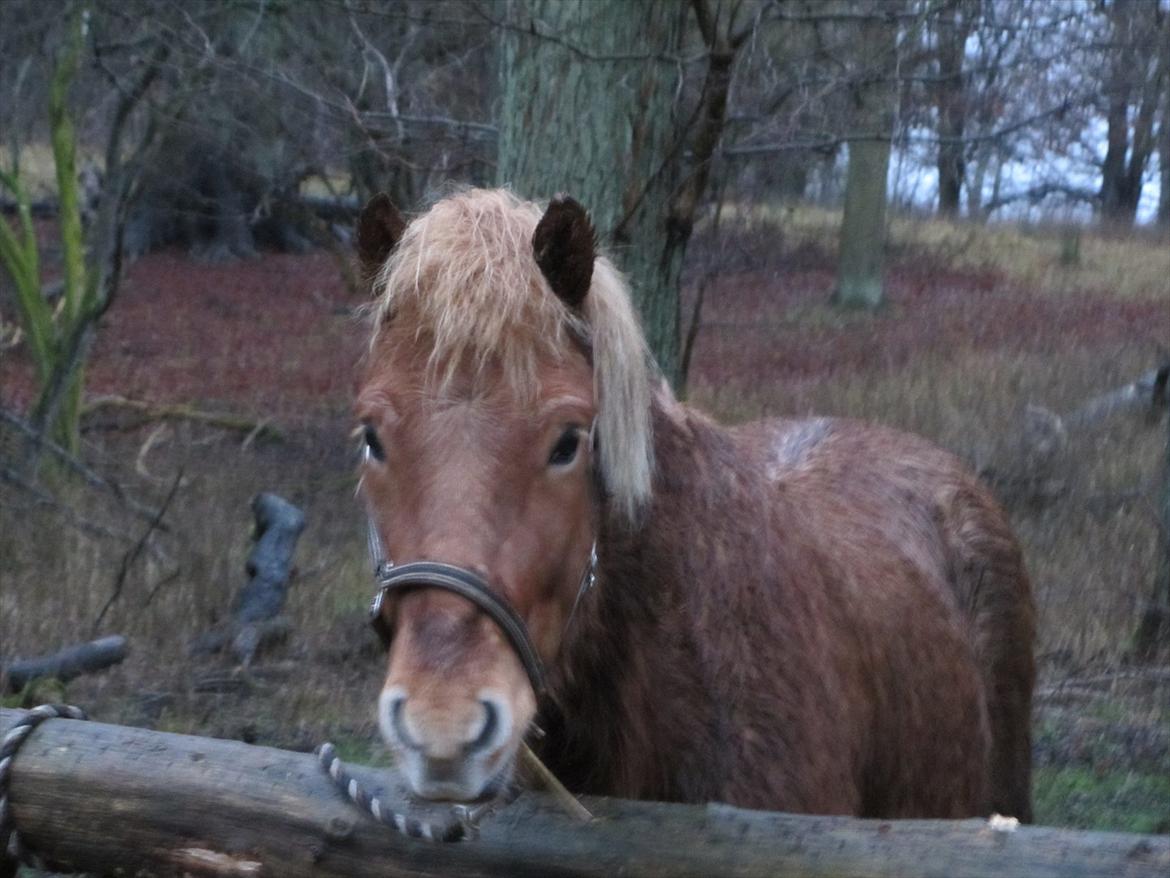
pixel 818 615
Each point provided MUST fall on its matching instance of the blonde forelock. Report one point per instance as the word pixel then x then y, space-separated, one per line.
pixel 464 275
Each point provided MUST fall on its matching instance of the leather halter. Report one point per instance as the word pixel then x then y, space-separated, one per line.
pixel 393 577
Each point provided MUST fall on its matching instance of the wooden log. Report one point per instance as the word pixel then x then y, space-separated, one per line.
pixel 1149 393
pixel 255 614
pixel 101 797
pixel 1031 462
pixel 83 658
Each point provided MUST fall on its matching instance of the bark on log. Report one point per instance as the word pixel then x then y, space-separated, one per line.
pixel 71 662
pixel 258 605
pixel 1030 468
pixel 1150 393
pixel 103 797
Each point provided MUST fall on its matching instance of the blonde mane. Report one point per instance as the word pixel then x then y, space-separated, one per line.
pixel 464 275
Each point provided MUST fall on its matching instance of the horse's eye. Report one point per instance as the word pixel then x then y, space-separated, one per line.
pixel 565 451
pixel 373 444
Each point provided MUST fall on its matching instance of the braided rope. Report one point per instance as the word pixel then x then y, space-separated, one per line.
pixel 462 821
pixel 10 843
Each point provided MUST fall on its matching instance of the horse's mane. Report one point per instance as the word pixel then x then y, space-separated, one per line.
pixel 464 274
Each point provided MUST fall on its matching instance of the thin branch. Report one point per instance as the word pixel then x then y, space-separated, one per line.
pixel 131 556
pixel 444 121
pixel 90 476
pixel 42 498
pixel 1041 191
pixel 178 412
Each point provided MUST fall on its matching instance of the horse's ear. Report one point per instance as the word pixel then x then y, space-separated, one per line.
pixel 565 246
pixel 379 228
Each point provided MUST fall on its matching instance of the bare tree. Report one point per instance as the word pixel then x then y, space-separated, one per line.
pixel 90 258
pixel 953 24
pixel 1164 130
pixel 863 226
pixel 1137 69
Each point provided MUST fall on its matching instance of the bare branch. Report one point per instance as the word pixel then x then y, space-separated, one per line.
pixel 91 478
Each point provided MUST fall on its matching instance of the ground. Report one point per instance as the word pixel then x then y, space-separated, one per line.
pixel 979 324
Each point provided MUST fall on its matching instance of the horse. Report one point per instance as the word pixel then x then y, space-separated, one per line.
pixel 819 616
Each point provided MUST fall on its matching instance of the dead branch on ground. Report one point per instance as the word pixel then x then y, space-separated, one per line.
pixel 179 412
pixel 73 661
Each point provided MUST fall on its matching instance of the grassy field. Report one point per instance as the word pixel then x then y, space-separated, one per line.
pixel 981 323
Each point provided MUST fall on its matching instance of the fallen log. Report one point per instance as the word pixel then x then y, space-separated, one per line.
pixel 256 610
pixel 73 661
pixel 1150 393
pixel 101 797
pixel 1031 466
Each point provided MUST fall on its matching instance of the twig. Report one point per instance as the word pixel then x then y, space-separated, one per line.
pixel 548 780
pixel 140 459
pixel 260 427
pixel 131 556
pixel 1064 687
pixel 158 586
pixel 71 517
pixel 154 412
pixel 88 475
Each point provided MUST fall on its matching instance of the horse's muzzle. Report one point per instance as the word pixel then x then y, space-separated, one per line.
pixel 447 754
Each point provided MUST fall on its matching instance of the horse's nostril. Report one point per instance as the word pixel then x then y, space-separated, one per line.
pixel 397 709
pixel 491 724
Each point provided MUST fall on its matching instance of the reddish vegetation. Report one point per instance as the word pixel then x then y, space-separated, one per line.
pixel 278 336
pixel 756 323
pixel 275 336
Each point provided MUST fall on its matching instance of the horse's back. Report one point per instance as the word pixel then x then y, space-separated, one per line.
pixel 924 560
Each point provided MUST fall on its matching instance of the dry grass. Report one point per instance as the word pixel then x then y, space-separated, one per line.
pixel 57 579
pixel 1124 264
pixel 949 363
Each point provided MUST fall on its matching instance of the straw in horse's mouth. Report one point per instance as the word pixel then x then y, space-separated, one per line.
pixel 540 773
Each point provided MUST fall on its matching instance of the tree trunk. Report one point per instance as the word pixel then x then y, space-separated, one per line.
pixel 1164 158
pixel 1164 196
pixel 975 188
pixel 1164 130
pixel 587 108
pixel 1137 74
pixel 954 25
pixel 109 798
pixel 1117 90
pixel 863 226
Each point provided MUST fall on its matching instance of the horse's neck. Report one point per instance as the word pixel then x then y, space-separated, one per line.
pixel 628 663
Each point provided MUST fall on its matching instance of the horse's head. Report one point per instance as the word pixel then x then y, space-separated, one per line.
pixel 503 411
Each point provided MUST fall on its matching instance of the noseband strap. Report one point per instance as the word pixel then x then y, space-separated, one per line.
pixel 457 580
pixel 393 577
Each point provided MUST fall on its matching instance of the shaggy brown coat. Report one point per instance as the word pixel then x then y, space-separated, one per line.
pixel 862 646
